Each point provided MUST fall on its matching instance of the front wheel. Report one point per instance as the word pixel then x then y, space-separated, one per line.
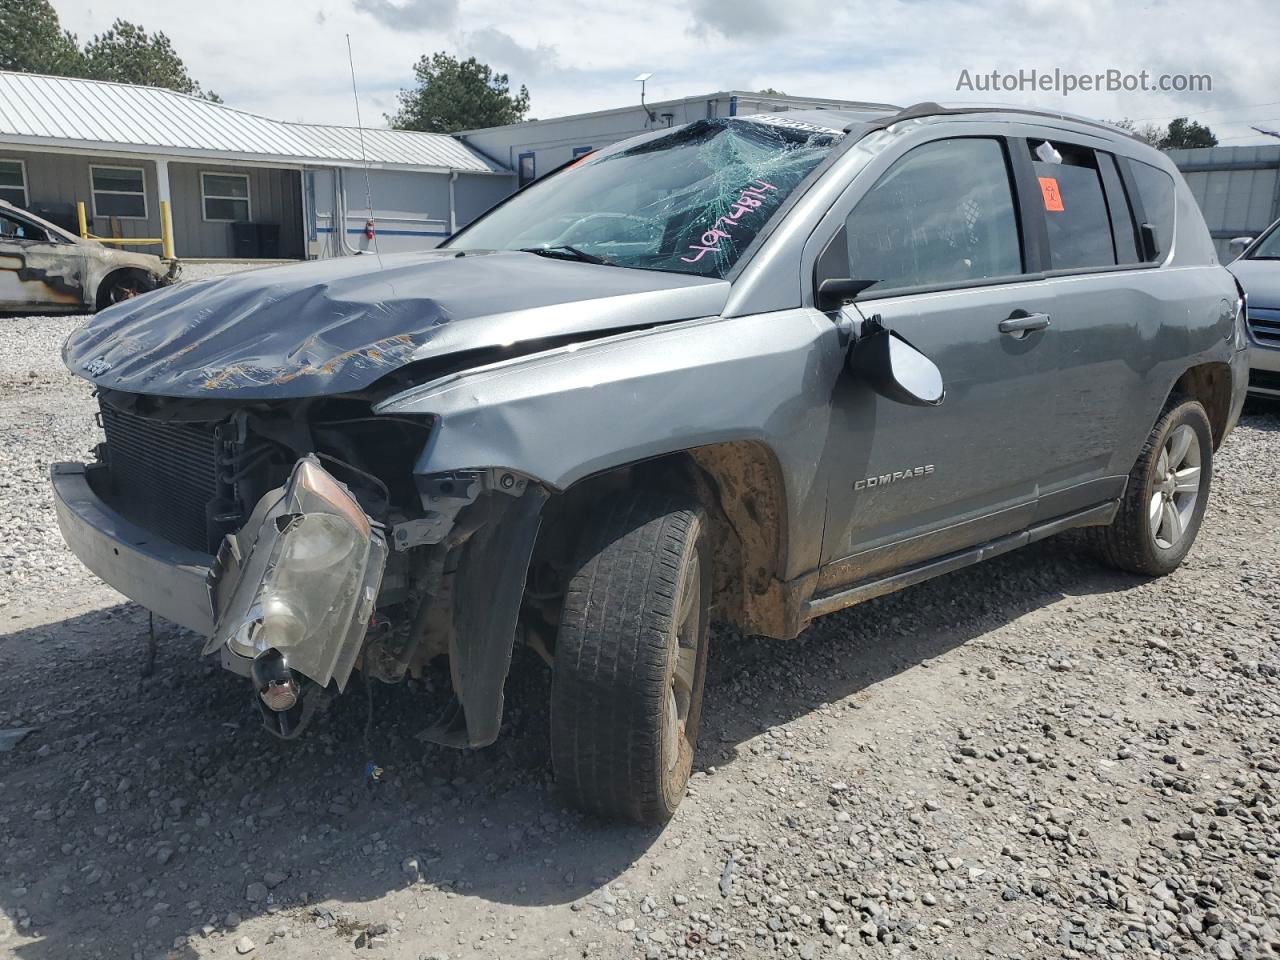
pixel 631 659
pixel 1165 500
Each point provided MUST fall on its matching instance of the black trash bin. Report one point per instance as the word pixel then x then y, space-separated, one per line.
pixel 245 244
pixel 269 240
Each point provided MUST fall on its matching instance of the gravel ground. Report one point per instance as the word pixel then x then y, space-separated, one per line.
pixel 1031 758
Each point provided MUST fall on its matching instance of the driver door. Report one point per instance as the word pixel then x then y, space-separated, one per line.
pixel 939 232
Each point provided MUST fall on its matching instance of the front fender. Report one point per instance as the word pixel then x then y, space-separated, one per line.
pixel 562 415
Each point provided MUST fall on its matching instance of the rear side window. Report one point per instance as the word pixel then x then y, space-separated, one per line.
pixel 1075 207
pixel 1155 191
pixel 943 213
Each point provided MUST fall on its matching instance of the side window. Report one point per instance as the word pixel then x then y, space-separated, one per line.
pixel 1155 191
pixel 526 169
pixel 1123 229
pixel 13 182
pixel 943 213
pixel 119 192
pixel 1074 206
pixel 15 228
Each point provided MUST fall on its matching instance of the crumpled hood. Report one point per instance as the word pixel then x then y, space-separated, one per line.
pixel 1261 281
pixel 333 326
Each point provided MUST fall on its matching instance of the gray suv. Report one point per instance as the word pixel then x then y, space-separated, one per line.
pixel 751 370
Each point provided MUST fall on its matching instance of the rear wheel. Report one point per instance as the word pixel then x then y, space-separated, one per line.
pixel 1165 500
pixel 631 658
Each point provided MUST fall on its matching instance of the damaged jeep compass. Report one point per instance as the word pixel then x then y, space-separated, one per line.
pixel 750 369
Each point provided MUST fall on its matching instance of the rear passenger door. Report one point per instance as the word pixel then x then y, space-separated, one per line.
pixel 1098 257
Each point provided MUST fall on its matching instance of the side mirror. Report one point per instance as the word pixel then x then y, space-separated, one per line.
pixel 834 294
pixel 895 369
pixel 1237 245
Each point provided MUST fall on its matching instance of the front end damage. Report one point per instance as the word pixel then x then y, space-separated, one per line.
pixel 322 551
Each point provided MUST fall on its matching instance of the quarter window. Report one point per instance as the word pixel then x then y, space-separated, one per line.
pixel 225 196
pixel 942 214
pixel 1074 206
pixel 13 182
pixel 527 169
pixel 119 192
pixel 1155 190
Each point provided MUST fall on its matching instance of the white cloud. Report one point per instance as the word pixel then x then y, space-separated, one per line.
pixel 289 61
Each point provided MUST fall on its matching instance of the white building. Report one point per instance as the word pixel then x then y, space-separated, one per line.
pixel 1238 189
pixel 536 147
pixel 237 184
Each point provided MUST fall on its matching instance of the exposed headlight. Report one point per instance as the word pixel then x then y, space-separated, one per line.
pixel 308 587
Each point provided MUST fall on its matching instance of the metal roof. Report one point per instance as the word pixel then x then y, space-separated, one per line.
pixel 67 111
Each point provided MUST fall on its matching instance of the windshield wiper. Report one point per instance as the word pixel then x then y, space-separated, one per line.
pixel 562 251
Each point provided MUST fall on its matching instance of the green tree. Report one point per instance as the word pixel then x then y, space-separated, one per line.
pixel 128 54
pixel 32 40
pixel 770 92
pixel 1148 132
pixel 455 94
pixel 1185 133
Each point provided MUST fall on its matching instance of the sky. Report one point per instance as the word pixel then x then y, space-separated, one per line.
pixel 288 60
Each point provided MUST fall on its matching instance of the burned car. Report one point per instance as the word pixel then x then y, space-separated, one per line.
pixel 45 269
pixel 750 370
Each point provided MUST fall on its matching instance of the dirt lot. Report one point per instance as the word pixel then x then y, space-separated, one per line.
pixel 1032 758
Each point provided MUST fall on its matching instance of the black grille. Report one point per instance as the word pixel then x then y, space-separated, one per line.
pixel 1264 380
pixel 1265 329
pixel 164 475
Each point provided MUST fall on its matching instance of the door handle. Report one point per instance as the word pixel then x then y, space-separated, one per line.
pixel 1023 323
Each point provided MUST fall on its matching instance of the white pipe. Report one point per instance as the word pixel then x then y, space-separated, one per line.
pixel 453 210
pixel 341 227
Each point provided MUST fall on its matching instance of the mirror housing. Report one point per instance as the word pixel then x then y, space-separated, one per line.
pixel 895 369
pixel 835 293
pixel 1238 245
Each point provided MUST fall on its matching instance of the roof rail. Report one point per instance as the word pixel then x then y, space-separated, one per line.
pixel 928 108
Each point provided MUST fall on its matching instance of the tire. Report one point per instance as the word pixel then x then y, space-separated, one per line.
pixel 1151 532
pixel 120 287
pixel 631 659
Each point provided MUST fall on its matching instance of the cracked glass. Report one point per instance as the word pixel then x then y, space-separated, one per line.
pixel 689 201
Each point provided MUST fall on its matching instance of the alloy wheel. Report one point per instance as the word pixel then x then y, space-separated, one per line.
pixel 1176 488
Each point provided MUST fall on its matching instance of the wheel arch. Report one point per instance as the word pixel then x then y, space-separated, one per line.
pixel 1210 384
pixel 100 294
pixel 740 483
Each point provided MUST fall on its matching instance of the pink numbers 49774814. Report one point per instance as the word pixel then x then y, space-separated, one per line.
pixel 751 197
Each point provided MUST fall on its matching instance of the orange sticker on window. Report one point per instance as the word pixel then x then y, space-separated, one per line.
pixel 1052 198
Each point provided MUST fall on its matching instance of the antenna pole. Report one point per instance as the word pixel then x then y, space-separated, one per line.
pixel 364 157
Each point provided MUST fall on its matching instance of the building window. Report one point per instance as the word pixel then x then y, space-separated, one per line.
pixel 225 196
pixel 581 151
pixel 527 169
pixel 13 182
pixel 119 192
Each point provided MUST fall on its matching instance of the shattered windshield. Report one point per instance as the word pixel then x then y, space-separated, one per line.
pixel 689 201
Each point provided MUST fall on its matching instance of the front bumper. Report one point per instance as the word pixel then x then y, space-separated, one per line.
pixel 163 577
pixel 1264 366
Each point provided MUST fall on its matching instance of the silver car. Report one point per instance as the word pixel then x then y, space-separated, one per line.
pixel 750 369
pixel 1258 270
